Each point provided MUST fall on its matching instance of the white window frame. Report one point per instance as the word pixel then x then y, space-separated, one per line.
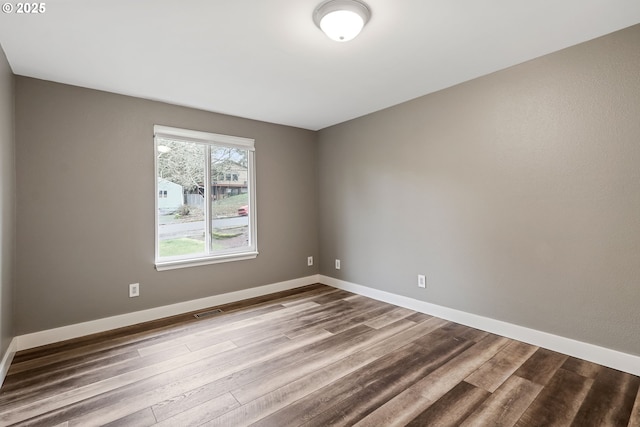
pixel 208 139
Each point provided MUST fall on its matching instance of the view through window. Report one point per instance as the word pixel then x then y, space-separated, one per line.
pixel 205 208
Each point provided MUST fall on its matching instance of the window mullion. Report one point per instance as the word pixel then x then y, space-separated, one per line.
pixel 207 199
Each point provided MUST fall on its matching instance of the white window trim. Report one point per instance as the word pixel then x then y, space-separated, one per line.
pixel 205 137
pixel 208 138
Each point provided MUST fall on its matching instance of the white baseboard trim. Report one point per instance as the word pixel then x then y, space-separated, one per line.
pixel 7 358
pixel 49 336
pixel 593 353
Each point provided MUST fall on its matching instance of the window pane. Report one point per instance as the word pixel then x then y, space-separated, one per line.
pixel 181 224
pixel 229 199
pixel 205 198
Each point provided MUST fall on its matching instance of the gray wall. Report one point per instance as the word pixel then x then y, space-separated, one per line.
pixel 7 203
pixel 517 194
pixel 85 200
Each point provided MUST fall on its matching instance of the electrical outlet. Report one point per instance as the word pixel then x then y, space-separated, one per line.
pixel 422 281
pixel 134 290
pixel 309 261
pixel 337 264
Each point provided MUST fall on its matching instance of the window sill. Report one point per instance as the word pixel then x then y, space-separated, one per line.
pixel 195 262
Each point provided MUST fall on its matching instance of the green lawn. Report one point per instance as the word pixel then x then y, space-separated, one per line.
pixel 230 205
pixel 181 246
pixel 186 245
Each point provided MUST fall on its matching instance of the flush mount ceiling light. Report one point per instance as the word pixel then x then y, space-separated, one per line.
pixel 341 20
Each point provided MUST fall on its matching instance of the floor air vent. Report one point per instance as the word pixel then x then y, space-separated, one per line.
pixel 207 313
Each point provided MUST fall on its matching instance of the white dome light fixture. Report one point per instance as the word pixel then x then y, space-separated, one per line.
pixel 341 20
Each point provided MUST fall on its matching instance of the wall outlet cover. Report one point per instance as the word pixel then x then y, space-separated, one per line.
pixel 134 290
pixel 422 281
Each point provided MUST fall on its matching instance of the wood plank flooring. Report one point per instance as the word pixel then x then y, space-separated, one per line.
pixel 312 356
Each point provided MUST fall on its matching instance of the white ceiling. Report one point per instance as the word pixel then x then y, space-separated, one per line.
pixel 266 60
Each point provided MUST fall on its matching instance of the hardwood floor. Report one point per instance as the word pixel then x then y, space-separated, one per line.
pixel 313 356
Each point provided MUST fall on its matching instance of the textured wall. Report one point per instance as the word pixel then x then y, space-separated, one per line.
pixel 517 194
pixel 85 198
pixel 7 203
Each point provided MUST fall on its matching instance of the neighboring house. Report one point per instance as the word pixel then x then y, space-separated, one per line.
pixel 231 182
pixel 170 195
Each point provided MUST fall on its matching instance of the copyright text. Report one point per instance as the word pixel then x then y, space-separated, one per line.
pixel 24 8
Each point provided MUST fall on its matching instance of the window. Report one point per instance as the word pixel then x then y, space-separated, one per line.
pixel 201 220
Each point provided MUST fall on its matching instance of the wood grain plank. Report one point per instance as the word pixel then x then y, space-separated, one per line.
pixel 362 311
pixel 464 332
pixel 284 371
pixel 581 367
pixel 335 315
pixel 269 359
pixel 398 411
pixel 452 408
pixel 142 418
pixel 300 299
pixel 634 419
pixel 332 297
pixel 195 416
pixel 319 316
pixel 419 317
pixel 415 399
pixel 194 364
pixel 221 329
pixel 174 350
pixel 23 409
pixel 541 366
pixel 558 402
pixel 500 367
pixel 506 405
pixel 59 372
pixel 260 357
pixel 254 372
pixel 177 387
pixel 105 342
pixel 610 400
pixel 388 318
pixel 71 357
pixel 77 379
pixel 357 318
pixel 304 409
pixel 269 403
pixel 172 325
pixel 257 334
pixel 382 387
